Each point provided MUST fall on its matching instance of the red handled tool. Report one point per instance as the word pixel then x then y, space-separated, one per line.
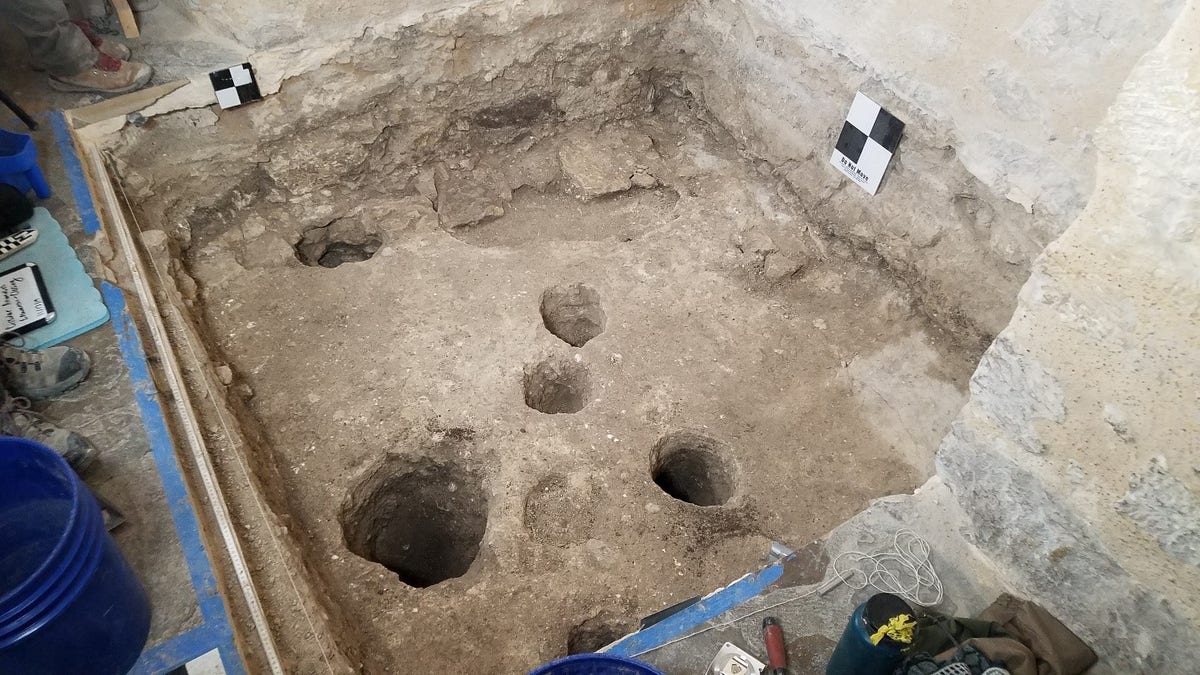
pixel 776 650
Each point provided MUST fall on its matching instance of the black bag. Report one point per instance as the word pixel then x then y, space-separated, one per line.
pixel 15 209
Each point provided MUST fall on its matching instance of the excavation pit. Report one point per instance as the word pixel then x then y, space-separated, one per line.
pixel 574 271
pixel 423 520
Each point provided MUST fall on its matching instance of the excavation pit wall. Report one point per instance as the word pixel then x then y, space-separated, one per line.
pixel 460 171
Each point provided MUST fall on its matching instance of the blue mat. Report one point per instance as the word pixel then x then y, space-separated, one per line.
pixel 77 303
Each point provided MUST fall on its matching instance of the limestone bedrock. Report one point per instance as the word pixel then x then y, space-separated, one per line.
pixel 1076 458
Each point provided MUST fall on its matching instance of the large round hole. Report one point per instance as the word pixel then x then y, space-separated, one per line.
pixel 597 633
pixel 573 313
pixel 557 385
pixel 691 467
pixel 422 519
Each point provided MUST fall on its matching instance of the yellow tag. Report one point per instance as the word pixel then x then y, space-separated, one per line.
pixel 899 628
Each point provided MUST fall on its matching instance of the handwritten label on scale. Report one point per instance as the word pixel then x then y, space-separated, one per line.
pixel 22 304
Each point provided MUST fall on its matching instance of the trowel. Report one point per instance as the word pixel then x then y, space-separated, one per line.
pixel 732 660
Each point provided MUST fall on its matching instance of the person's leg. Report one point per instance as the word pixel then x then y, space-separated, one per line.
pixel 111 47
pixel 55 43
pixel 87 9
pixel 39 375
pixel 75 63
pixel 44 373
pixel 16 419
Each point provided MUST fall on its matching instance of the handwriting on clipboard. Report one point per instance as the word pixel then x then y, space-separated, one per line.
pixel 24 304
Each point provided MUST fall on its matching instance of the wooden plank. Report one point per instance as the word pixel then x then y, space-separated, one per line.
pixel 120 106
pixel 128 21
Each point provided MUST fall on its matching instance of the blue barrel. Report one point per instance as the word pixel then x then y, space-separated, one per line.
pixel 855 655
pixel 69 602
pixel 19 166
pixel 595 664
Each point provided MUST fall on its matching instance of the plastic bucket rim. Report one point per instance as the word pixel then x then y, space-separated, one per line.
pixel 49 576
pixel 60 594
pixel 53 607
pixel 51 582
pixel 43 575
pixel 598 658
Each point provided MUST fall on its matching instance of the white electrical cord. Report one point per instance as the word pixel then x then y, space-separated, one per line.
pixel 905 571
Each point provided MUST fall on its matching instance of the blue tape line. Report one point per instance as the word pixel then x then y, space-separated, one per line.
pixel 79 186
pixel 230 658
pixel 707 609
pixel 169 655
pixel 181 649
pixel 212 606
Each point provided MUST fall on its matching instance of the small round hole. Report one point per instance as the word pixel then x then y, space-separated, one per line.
pixel 573 313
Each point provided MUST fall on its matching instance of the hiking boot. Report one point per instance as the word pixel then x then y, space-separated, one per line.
pixel 107 76
pixel 111 47
pixel 16 419
pixel 42 374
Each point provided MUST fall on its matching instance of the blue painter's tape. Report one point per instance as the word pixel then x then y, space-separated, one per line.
pixel 79 186
pixel 169 655
pixel 230 658
pixel 212 607
pixel 707 609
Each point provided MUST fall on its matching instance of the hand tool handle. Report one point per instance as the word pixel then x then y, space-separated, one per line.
pixel 776 651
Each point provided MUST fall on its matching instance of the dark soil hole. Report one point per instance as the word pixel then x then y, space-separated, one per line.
pixel 691 468
pixel 422 519
pixel 598 632
pixel 557 385
pixel 522 112
pixel 572 312
pixel 342 241
pixel 340 252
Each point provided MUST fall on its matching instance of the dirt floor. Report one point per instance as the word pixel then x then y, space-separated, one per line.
pixel 563 377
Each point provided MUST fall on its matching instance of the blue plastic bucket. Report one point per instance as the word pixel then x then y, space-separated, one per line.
pixel 18 164
pixel 69 602
pixel 595 664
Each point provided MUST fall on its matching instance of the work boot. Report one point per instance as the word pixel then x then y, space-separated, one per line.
pixel 107 76
pixel 111 47
pixel 16 419
pixel 45 373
